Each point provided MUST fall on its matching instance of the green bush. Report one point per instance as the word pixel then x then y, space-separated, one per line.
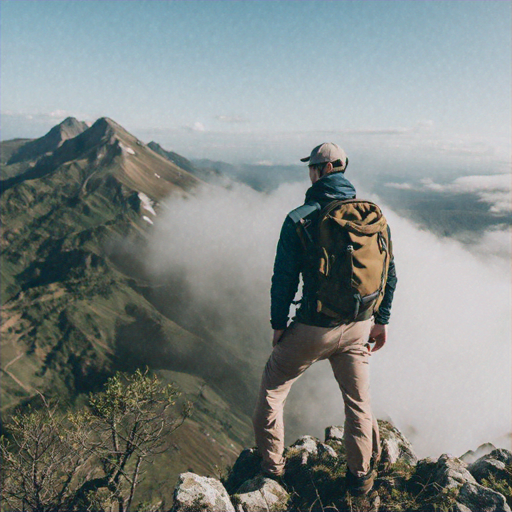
pixel 91 460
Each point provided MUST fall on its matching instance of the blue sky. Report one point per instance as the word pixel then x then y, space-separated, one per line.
pixel 259 79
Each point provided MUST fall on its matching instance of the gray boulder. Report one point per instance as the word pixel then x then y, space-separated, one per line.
pixel 307 448
pixel 261 494
pixel 334 433
pixel 447 472
pixel 394 445
pixel 494 464
pixel 194 493
pixel 451 472
pixel 478 498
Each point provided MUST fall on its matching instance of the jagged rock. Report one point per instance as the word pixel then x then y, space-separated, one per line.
pixel 478 498
pixel 395 447
pixel 471 456
pixel 306 447
pixel 246 467
pixel 301 458
pixel 493 463
pixel 194 493
pixel 447 472
pixel 261 495
pixel 334 433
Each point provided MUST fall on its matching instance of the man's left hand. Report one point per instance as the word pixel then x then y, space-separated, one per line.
pixel 378 335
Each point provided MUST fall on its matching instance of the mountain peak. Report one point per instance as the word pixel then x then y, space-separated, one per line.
pixel 108 147
pixel 74 123
pixel 67 129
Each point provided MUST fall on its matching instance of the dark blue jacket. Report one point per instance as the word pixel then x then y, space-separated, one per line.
pixel 290 263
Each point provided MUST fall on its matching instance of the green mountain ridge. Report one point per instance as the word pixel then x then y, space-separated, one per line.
pixel 76 303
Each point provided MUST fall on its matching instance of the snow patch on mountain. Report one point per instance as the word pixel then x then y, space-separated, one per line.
pixel 146 202
pixel 127 149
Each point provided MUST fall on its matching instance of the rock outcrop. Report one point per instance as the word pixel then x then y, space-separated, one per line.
pixel 479 498
pixel 261 495
pixel 395 446
pixel 314 479
pixel 196 493
pixel 447 472
pixel 493 464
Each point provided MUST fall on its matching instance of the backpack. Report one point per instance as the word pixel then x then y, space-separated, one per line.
pixel 348 248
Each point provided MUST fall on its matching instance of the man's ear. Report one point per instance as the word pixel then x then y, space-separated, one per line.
pixel 328 168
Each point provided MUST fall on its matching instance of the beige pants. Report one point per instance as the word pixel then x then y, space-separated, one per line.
pixel 300 346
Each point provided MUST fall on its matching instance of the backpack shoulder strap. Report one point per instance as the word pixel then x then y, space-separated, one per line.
pixel 302 218
pixel 303 211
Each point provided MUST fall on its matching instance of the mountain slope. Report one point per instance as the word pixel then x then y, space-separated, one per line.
pixel 77 304
pixel 208 175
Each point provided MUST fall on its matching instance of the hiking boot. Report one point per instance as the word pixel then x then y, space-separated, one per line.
pixel 360 485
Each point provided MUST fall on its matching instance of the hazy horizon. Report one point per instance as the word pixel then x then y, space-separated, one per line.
pixel 248 82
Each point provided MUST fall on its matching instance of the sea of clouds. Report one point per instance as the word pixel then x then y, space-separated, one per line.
pixel 444 376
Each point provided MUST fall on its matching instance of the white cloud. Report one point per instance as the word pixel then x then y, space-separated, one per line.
pixel 429 184
pixel 400 186
pixel 198 127
pixel 59 114
pixel 495 182
pixel 494 189
pixel 445 371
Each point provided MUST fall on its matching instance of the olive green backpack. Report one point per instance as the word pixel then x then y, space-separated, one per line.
pixel 349 249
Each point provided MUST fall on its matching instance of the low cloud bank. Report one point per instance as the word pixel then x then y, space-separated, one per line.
pixel 494 189
pixel 444 376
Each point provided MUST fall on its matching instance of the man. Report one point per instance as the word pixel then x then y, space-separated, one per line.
pixel 314 336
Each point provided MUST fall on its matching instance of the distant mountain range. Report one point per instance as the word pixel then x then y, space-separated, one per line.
pixel 76 303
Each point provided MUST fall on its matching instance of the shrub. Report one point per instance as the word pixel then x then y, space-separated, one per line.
pixel 92 459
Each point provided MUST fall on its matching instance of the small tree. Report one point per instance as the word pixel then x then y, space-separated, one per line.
pixel 40 461
pixel 92 459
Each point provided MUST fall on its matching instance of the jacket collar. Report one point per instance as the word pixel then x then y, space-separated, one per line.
pixel 333 186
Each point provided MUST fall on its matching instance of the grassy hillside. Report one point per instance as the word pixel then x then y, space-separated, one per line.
pixel 77 306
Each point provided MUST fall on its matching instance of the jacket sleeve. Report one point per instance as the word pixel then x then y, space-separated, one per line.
pixel 384 312
pixel 285 279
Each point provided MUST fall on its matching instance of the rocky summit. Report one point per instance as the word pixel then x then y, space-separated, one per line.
pixel 314 480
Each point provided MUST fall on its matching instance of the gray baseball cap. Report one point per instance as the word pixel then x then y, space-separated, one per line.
pixel 326 152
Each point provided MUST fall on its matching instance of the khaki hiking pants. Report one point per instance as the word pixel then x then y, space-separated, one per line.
pixel 300 346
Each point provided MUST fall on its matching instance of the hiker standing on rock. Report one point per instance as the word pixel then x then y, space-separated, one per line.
pixel 342 247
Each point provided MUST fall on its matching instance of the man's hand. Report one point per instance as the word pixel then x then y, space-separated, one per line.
pixel 277 336
pixel 378 335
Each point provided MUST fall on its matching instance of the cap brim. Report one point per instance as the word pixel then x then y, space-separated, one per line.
pixel 307 159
